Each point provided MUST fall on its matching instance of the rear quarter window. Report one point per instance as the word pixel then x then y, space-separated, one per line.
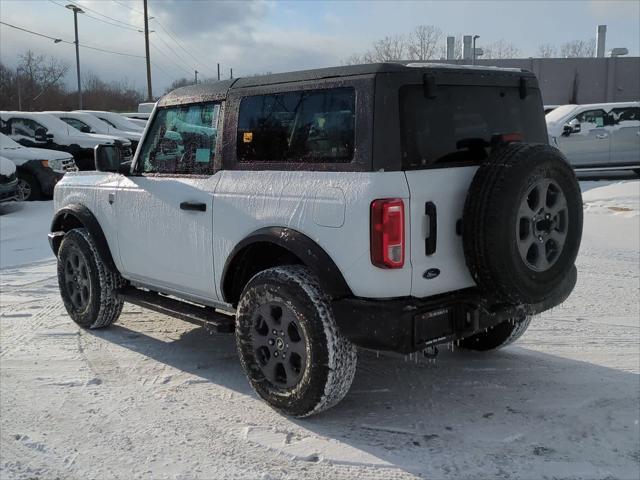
pixel 456 127
pixel 302 126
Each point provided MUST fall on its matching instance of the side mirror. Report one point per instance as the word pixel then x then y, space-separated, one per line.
pixel 40 135
pixel 109 159
pixel 570 128
pixel 85 129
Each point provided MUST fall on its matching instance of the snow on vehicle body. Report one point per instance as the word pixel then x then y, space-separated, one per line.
pixel 42 130
pixel 599 136
pixel 38 169
pixel 377 205
pixel 8 181
pixel 89 123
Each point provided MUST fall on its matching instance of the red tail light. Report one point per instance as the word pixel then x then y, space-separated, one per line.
pixel 387 233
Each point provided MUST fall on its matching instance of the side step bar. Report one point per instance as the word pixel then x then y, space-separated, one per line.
pixel 204 316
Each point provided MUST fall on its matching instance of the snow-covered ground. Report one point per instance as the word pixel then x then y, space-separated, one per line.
pixel 157 398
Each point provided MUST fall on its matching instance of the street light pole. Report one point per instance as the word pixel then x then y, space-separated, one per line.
pixel 196 77
pixel 76 11
pixel 146 48
pixel 473 56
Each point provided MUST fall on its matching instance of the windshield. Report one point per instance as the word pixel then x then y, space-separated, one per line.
pixel 119 122
pixel 459 124
pixel 6 142
pixel 559 113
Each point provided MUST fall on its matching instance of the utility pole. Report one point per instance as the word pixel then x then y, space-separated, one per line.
pixel 231 70
pixel 196 77
pixel 146 49
pixel 19 90
pixel 76 11
pixel 473 51
pixel 218 72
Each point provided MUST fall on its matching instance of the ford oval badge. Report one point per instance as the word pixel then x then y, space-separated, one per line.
pixel 431 273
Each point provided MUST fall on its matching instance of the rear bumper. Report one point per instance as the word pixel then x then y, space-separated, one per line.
pixel 406 325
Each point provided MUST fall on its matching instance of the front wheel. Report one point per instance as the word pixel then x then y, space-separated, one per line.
pixel 88 286
pixel 499 336
pixel 289 344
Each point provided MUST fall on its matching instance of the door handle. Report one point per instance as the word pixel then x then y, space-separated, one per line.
pixel 112 198
pixel 431 240
pixel 602 136
pixel 194 206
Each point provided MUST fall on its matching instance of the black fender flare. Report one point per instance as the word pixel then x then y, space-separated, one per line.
pixel 79 216
pixel 301 246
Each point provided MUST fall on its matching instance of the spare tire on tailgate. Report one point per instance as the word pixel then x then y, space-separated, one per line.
pixel 522 224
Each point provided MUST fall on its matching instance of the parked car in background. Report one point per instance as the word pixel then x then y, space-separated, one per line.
pixel 602 136
pixel 38 169
pixel 550 108
pixel 8 181
pixel 116 120
pixel 88 123
pixel 137 118
pixel 42 130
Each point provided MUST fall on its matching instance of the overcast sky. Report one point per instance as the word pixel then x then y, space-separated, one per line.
pixel 263 35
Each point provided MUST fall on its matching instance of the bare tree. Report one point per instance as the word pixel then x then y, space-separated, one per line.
pixel 424 42
pixel 501 49
pixel 389 48
pixel 578 48
pixel 546 50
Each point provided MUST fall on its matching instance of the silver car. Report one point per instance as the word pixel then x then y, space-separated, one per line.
pixel 601 136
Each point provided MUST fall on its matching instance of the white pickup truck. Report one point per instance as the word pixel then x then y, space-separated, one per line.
pixel 383 206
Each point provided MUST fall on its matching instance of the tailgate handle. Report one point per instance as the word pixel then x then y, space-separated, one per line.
pixel 432 235
pixel 194 206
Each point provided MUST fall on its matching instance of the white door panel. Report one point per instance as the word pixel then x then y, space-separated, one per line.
pixel 160 243
pixel 447 189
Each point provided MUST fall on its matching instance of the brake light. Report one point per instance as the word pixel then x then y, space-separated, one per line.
pixel 387 233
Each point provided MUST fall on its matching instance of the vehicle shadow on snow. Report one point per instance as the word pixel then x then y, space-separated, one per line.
pixel 463 411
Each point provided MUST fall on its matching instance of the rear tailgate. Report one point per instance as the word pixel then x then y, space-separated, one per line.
pixel 435 206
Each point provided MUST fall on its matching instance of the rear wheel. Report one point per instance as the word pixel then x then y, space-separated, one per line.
pixel 496 337
pixel 289 344
pixel 28 187
pixel 87 286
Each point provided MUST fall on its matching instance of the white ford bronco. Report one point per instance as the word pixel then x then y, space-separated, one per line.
pixel 387 206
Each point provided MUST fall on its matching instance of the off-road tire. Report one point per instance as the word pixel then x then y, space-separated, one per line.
pixel 102 306
pixel 35 192
pixel 331 359
pixel 491 216
pixel 498 336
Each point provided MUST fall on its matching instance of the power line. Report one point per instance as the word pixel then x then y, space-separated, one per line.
pixel 123 25
pixel 59 40
pixel 184 62
pixel 166 30
pixel 103 15
pixel 171 62
pixel 127 6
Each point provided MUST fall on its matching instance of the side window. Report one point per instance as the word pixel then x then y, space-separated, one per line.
pixel 304 126
pixel 590 119
pixel 628 116
pixel 107 122
pixel 24 127
pixel 77 124
pixel 182 140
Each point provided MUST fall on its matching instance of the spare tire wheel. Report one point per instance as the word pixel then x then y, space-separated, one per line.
pixel 522 224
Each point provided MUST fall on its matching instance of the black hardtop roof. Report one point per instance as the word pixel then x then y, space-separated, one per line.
pixel 218 90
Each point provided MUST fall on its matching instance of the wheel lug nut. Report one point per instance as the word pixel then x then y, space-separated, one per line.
pixel 281 333
pixel 275 354
pixel 275 332
pixel 271 342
